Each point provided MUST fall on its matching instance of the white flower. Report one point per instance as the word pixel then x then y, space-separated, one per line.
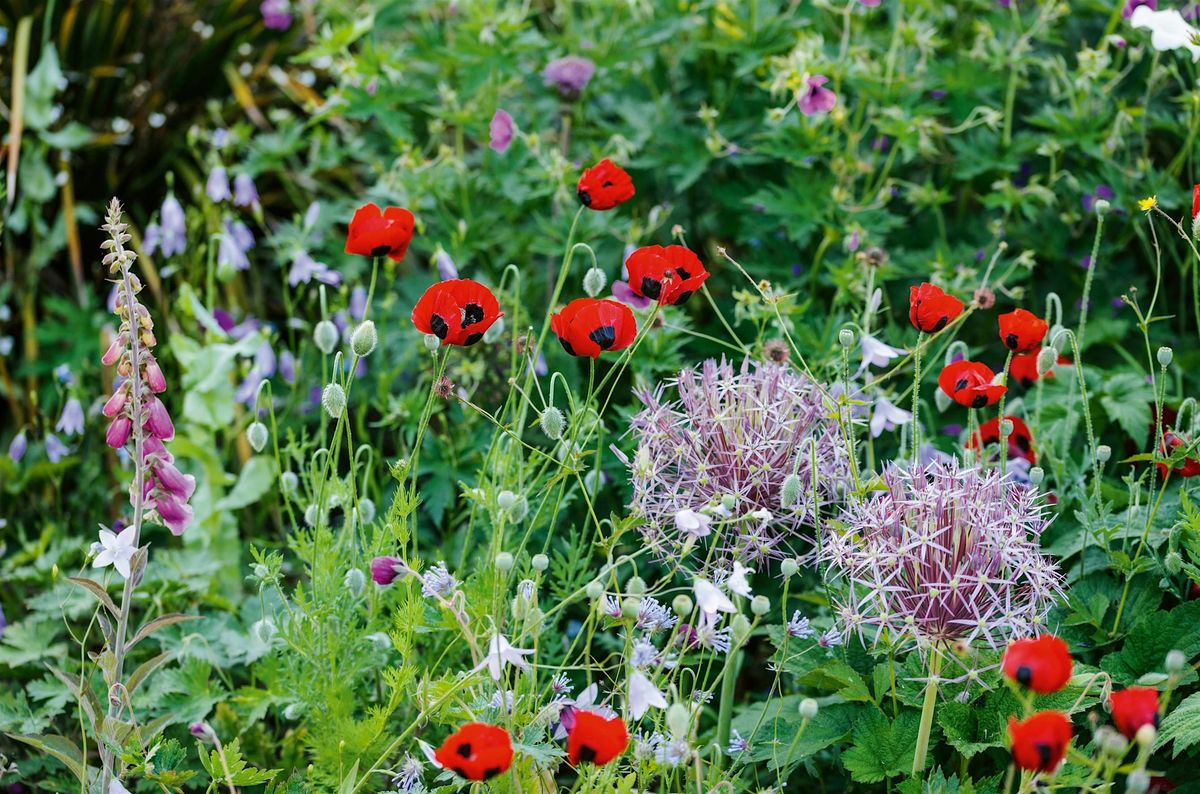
pixel 643 694
pixel 692 523
pixel 115 786
pixel 876 353
pixel 501 652
pixel 116 550
pixel 887 416
pixel 737 583
pixel 1168 30
pixel 710 598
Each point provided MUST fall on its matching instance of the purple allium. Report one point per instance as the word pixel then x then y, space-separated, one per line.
pixel 570 75
pixel 815 98
pixel 726 447
pixel 500 130
pixel 276 14
pixel 943 555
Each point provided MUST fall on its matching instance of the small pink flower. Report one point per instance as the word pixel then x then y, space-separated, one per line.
pixel 158 421
pixel 154 376
pixel 118 432
pixel 816 98
pixel 385 570
pixel 501 131
pixel 116 403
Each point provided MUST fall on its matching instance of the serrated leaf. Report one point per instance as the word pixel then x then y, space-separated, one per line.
pixel 1181 726
pixel 882 749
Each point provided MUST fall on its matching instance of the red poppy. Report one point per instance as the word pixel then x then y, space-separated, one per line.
pixel 1171 442
pixel 969 383
pixel 1042 664
pixel 1039 743
pixel 604 186
pixel 1022 331
pixel 457 311
pixel 930 309
pixel 668 275
pixel 588 326
pixel 1195 202
pixel 595 739
pixel 1134 707
pixel 376 232
pixel 476 751
pixel 1020 441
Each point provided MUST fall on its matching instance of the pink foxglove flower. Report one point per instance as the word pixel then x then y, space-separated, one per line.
pixel 816 98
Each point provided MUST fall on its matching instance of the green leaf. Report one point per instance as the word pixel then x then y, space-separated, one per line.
pixel 1127 399
pixel 1146 647
pixel 882 749
pixel 60 747
pixel 253 483
pixel 96 590
pixel 348 781
pixel 964 730
pixel 1181 726
pixel 162 621
pixel 73 135
pixel 772 730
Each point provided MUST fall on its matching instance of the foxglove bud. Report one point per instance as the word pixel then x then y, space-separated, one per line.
pixel 540 562
pixel 789 494
pixel 256 434
pixel 760 605
pixel 809 708
pixel 333 399
pixel 682 605
pixel 594 282
pixel 1165 354
pixel 553 423
pixel 431 342
pixel 354 581
pixel 325 336
pixel 364 339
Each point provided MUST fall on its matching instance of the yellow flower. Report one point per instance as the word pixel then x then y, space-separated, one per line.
pixel 1147 204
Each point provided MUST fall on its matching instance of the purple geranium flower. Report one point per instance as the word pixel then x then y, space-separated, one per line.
pixel 17 447
pixel 570 75
pixel 816 98
pixel 501 131
pixel 446 268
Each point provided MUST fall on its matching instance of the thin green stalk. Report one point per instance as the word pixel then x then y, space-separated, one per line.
pixel 928 705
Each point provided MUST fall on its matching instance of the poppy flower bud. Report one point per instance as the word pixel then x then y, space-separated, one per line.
pixel 809 708
pixel 1101 206
pixel 1173 563
pixel 256 434
pixel 1103 453
pixel 594 281
pixel 740 629
pixel 594 589
pixel 789 494
pixel 431 342
pixel 504 561
pixel 1036 475
pixel 354 581
pixel 1165 354
pixel 553 423
pixel 289 482
pixel 506 500
pixel 635 586
pixel 679 720
pixel 1046 360
pixel 729 501
pixel 1176 660
pixel 1146 735
pixel 1058 339
pixel 264 630
pixel 333 400
pixel 293 711
pixel 846 338
pixel 631 607
pixel 682 605
pixel 1006 428
pixel 1137 782
pixel 261 571
pixel 540 562
pixel 760 605
pixel 364 339
pixel 310 515
pixel 366 509
pixel 1110 742
pixel 325 336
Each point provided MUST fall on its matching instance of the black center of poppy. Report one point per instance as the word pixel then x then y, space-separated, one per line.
pixel 940 324
pixel 682 297
pixel 683 274
pixel 472 339
pixel 607 183
pixel 472 313
pixel 979 401
pixel 1026 382
pixel 491 773
pixel 1022 443
pixel 380 250
pixel 1044 751
pixel 1011 340
pixel 464 750
pixel 566 346
pixel 587 754
pixel 604 336
pixel 1024 674
pixel 651 288
pixel 584 198
pixel 439 326
pixel 960 384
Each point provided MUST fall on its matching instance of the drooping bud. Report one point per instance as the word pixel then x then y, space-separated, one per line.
pixel 289 482
pixel 366 509
pixel 1046 360
pixel 364 339
pixel 354 581
pixel 594 282
pixel 257 434
pixel 789 494
pixel 553 423
pixel 1173 562
pixel 325 336
pixel 333 400
pixel 679 720
pixel 494 331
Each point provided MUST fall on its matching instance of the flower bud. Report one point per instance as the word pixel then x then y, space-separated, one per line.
pixel 1101 206
pixel 1103 453
pixel 325 335
pixel 1165 354
pixel 594 282
pixel 1006 428
pixel 789 567
pixel 311 515
pixel 540 562
pixel 1176 661
pixel 289 482
pixel 740 629
pixel 506 500
pixel 1137 782
pixel 494 331
pixel 1173 562
pixel 367 510
pixel 729 501
pixel 682 605
pixel 293 711
pixel 760 605
pixel 1196 228
pixel 630 607
pixel 264 630
pixel 256 434
pixel 504 561
pixel 553 423
pixel 333 400
pixel 809 708
pixel 1110 742
pixel 846 338
pixel 789 494
pixel 364 339
pixel 354 581
pixel 594 589
pixel 1058 339
pixel 1146 735
pixel 635 586
pixel 679 720
pixel 1036 475
pixel 261 571
pixel 431 342
pixel 1046 360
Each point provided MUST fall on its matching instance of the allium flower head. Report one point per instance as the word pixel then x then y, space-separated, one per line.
pixel 943 554
pixel 726 446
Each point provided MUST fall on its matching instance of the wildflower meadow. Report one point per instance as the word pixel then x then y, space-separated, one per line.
pixel 620 396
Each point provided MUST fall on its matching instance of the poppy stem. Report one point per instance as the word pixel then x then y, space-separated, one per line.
pixel 916 424
pixel 1000 425
pixel 1087 281
pixel 927 709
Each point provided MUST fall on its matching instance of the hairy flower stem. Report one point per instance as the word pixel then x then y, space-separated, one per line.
pixel 115 697
pixel 916 422
pixel 927 709
pixel 1000 425
pixel 1087 281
